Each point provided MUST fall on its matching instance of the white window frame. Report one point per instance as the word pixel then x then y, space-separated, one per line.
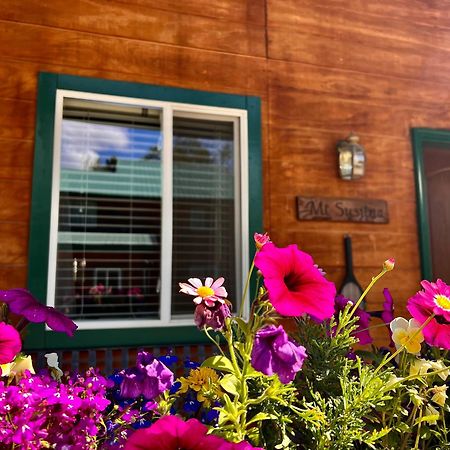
pixel 169 109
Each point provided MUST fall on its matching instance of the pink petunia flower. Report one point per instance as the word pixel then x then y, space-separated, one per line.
pixel 10 343
pixel 173 433
pixel 209 293
pixel 433 299
pixel 294 284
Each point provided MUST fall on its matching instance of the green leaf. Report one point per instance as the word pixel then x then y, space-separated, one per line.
pixel 431 418
pixel 221 363
pixel 242 324
pixel 375 435
pixel 230 383
pixel 261 416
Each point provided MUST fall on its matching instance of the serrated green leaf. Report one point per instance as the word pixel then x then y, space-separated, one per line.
pixel 219 362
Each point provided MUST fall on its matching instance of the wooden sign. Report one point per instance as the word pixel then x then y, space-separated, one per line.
pixel 342 209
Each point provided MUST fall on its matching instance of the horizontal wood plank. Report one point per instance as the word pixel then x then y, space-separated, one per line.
pixel 17 158
pixel 324 112
pixel 337 18
pixel 370 249
pixel 361 53
pixel 14 242
pixel 361 87
pixel 13 276
pixel 305 179
pixel 232 10
pixel 142 22
pixel 153 62
pixel 415 12
pixel 15 199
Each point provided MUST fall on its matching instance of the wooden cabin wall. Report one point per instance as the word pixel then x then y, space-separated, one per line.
pixel 321 67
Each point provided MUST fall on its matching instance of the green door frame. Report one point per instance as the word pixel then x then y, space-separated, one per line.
pixel 420 136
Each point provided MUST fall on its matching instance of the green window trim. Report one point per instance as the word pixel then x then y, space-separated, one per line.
pixel 49 83
pixel 420 136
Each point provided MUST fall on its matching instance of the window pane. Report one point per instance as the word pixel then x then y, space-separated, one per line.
pixel 437 172
pixel 108 253
pixel 203 205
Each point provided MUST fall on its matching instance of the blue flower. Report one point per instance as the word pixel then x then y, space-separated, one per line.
pixel 190 364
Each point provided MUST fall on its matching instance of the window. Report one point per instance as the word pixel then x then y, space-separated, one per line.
pixel 136 188
pixel 432 170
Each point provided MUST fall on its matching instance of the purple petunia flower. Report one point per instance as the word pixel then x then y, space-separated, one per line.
pixel 22 302
pixel 10 343
pixel 274 353
pixel 149 378
pixel 213 316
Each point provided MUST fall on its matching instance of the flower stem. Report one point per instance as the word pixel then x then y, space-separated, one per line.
pixel 247 283
pixel 368 288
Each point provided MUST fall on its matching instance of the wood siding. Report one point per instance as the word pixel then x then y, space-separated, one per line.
pixel 321 67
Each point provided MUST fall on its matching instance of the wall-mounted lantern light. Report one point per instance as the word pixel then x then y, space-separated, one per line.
pixel 352 158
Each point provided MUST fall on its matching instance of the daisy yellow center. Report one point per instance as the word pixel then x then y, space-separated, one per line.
pixel 205 291
pixel 442 301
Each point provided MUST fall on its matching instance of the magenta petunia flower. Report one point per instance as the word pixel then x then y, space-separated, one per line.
pixel 209 293
pixel 362 332
pixel 274 353
pixel 10 343
pixel 294 284
pixel 173 433
pixel 213 317
pixel 433 299
pixel 22 302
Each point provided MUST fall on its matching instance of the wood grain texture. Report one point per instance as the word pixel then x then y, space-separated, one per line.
pixel 232 10
pixel 417 12
pixel 13 239
pixel 142 22
pixel 374 88
pixel 351 38
pixel 72 49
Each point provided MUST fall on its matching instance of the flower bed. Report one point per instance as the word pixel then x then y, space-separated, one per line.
pixel 323 385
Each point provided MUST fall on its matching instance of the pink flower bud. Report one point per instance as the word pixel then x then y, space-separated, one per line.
pixel 261 240
pixel 389 264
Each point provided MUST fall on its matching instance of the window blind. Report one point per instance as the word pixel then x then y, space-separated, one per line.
pixel 203 205
pixel 109 229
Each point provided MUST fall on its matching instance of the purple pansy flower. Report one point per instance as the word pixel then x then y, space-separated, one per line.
pixel 22 302
pixel 149 378
pixel 274 353
pixel 10 343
